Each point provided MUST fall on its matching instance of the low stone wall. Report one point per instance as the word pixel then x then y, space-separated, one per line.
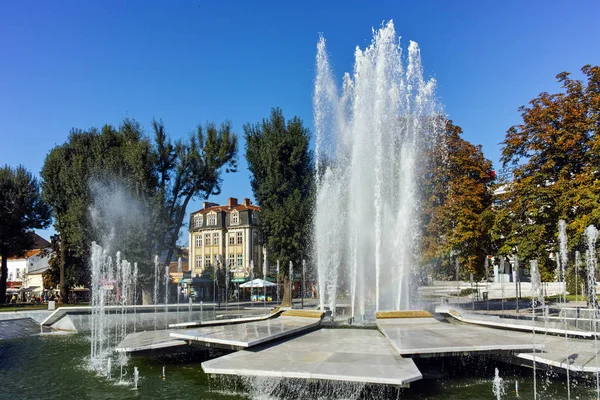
pixel 140 321
pixel 138 317
pixel 36 315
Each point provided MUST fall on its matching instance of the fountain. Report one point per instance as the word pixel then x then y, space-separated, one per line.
pixel 564 257
pixel 592 236
pixel 498 388
pixel 537 297
pixel 369 140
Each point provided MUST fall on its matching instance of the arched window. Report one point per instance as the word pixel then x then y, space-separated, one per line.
pixel 198 221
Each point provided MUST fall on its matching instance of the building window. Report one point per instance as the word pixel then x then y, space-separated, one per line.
pixel 212 219
pixel 239 238
pixel 198 261
pixel 198 221
pixel 231 260
pixel 216 260
pixel 216 238
pixel 235 218
pixel 198 240
pixel 207 261
pixel 207 239
pixel 232 238
pixel 240 259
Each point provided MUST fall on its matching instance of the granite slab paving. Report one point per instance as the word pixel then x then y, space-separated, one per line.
pixel 513 323
pixel 242 336
pixel 428 336
pixel 352 355
pixel 583 355
pixel 148 340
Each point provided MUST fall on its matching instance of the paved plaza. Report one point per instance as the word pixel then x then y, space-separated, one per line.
pixel 357 355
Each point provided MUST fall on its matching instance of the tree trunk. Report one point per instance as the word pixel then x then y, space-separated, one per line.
pixel 3 278
pixel 286 301
pixel 172 242
pixel 147 296
pixel 61 282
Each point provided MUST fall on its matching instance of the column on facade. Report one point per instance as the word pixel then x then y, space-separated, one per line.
pixel 191 249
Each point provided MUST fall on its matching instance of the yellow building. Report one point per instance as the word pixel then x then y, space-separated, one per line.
pixel 226 235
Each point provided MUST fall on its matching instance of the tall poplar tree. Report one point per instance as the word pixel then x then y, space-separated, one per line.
pixel 282 180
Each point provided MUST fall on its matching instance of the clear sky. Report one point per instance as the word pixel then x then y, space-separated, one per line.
pixel 66 64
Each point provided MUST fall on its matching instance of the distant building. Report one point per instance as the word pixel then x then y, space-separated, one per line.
pixel 22 270
pixel 225 236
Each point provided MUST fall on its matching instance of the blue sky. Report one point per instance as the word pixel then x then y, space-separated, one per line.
pixel 66 64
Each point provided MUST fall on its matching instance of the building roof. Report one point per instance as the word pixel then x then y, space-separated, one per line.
pixel 28 254
pixel 39 263
pixel 231 206
pixel 39 243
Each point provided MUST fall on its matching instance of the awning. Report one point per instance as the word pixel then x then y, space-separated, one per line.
pixel 257 283
pixel 240 280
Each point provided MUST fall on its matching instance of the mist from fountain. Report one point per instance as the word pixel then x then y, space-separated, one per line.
pixel 369 145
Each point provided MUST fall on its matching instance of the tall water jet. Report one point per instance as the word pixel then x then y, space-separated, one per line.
pixel 111 289
pixel 564 255
pixel 564 258
pixel 155 295
pixel 537 297
pixel 369 143
pixel 592 236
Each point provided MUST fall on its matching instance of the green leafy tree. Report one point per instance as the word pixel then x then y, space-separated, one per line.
pixel 191 169
pixel 457 205
pixel 21 211
pixel 282 180
pixel 117 183
pixel 555 153
pixel 92 164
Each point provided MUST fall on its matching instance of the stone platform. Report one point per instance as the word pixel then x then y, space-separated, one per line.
pixel 148 341
pixel 243 336
pixel 428 337
pixel 582 355
pixel 355 355
pixel 527 325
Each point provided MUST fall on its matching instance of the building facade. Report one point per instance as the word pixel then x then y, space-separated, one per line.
pixel 225 237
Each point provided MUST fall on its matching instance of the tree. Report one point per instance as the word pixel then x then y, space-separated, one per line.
pixel 114 185
pixel 88 170
pixel 457 204
pixel 191 169
pixel 555 153
pixel 21 211
pixel 282 181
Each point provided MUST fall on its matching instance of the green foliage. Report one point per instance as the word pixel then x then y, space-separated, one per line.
pixel 457 205
pixel 21 211
pixel 138 190
pixel 555 152
pixel 282 169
